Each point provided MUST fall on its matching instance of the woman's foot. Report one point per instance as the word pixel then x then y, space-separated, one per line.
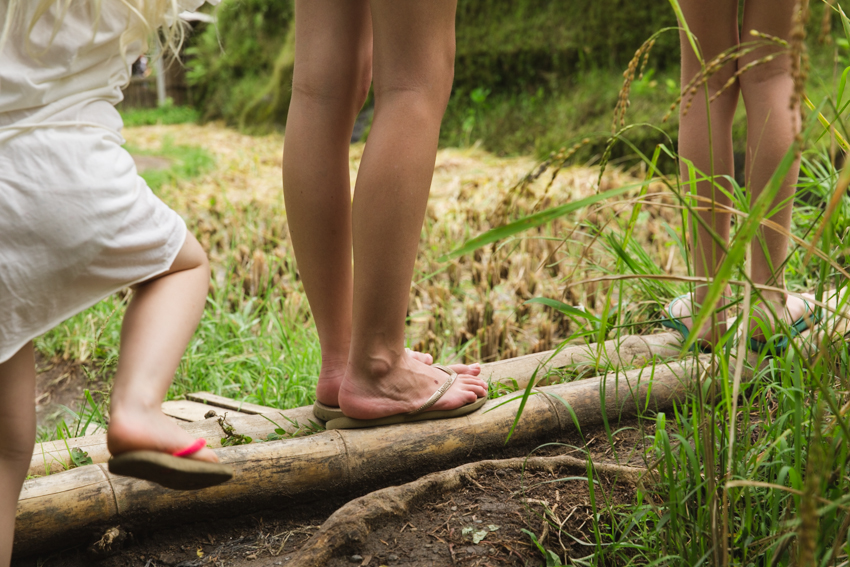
pixel 788 308
pixel 140 429
pixel 332 374
pixel 683 310
pixel 381 387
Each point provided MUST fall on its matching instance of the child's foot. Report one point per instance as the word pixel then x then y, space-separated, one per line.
pixel 379 388
pixel 789 309
pixel 682 311
pixel 332 374
pixel 140 429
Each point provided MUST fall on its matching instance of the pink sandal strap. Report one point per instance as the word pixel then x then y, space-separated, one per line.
pixel 191 449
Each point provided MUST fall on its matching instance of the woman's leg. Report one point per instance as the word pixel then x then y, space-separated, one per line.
pixel 158 325
pixel 413 66
pixel 333 72
pixel 771 126
pixel 17 438
pixel 708 143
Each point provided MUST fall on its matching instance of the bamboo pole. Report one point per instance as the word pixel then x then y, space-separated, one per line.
pixel 632 350
pixel 54 456
pixel 74 505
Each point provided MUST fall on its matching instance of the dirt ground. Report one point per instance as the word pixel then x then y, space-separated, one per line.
pixel 499 503
pixel 62 383
pixel 482 524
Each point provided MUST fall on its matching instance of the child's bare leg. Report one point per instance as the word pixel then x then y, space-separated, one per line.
pixel 771 127
pixel 413 65
pixel 333 72
pixel 17 438
pixel 715 25
pixel 158 325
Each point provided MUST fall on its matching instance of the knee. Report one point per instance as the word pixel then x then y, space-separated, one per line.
pixel 424 93
pixel 771 76
pixel 333 86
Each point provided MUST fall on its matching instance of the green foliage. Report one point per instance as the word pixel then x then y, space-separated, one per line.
pixel 80 458
pixel 743 472
pixel 551 558
pixel 231 64
pixel 242 70
pixel 510 45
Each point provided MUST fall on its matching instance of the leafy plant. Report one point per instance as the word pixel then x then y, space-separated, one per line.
pixel 551 558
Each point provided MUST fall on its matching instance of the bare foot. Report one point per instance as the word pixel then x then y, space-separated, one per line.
pixel 377 388
pixel 332 374
pixel 789 308
pixel 683 309
pixel 138 429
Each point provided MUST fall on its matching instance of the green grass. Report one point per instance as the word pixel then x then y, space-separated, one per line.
pixel 540 119
pixel 751 473
pixel 168 114
pixel 186 162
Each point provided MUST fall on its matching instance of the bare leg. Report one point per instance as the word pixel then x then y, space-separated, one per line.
pixel 771 127
pixel 333 73
pixel 158 325
pixel 715 25
pixel 17 424
pixel 413 66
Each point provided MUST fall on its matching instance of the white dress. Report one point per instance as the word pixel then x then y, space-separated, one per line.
pixel 77 223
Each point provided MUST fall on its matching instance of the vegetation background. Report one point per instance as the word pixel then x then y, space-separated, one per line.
pixel 531 76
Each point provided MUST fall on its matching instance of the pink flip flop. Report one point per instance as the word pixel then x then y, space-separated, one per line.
pixel 172 471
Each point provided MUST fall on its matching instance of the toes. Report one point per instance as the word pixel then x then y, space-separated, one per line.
pixel 475 385
pixel 422 357
pixel 205 454
pixel 470 370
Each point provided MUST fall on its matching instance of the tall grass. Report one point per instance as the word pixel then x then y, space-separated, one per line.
pixel 741 473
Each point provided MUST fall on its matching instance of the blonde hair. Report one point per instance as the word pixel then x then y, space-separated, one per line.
pixel 151 15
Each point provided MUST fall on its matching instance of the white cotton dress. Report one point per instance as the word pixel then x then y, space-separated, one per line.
pixel 77 223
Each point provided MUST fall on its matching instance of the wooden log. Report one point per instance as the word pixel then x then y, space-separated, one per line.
pixel 187 410
pixel 584 360
pixel 227 403
pixel 335 463
pixel 54 456
pixel 628 351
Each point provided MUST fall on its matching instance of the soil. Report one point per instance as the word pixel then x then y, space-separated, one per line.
pixel 62 383
pixel 496 508
pixel 499 503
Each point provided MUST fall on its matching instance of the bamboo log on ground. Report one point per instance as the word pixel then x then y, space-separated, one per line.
pixel 76 506
pixel 53 456
pixel 628 351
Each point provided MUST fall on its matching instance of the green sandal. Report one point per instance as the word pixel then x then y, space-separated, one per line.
pixel 674 323
pixel 778 344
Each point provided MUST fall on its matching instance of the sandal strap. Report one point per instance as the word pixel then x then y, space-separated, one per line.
pixel 435 397
pixel 191 449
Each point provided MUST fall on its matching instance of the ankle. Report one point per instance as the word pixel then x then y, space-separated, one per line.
pixel 377 364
